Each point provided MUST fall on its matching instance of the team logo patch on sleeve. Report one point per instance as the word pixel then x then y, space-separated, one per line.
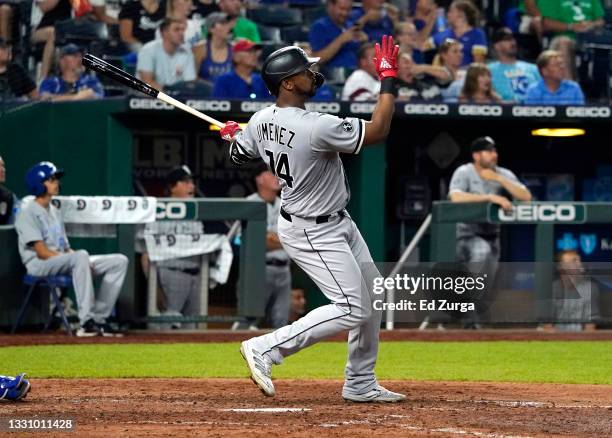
pixel 347 126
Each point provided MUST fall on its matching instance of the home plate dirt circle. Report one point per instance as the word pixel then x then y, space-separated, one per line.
pixel 303 408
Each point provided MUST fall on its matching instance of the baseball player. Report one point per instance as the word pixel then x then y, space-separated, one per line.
pixel 45 250
pixel 14 388
pixel 302 149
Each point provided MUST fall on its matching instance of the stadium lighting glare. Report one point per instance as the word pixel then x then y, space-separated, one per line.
pixel 558 132
pixel 216 128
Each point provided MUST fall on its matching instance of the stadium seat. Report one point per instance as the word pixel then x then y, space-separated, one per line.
pixel 52 284
pixel 269 33
pixel 311 15
pixel 275 16
pixel 292 34
pixel 80 32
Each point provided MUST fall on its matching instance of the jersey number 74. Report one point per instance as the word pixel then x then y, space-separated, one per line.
pixel 280 167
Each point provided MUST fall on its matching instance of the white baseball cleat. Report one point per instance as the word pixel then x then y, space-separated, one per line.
pixel 260 366
pixel 376 395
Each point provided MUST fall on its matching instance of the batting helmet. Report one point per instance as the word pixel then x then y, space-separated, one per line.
pixel 38 174
pixel 286 62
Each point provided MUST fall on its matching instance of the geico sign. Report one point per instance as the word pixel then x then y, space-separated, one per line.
pixel 588 111
pixel 534 111
pixel 428 109
pixel 249 106
pixel 540 213
pixel 324 107
pixel 149 104
pixel 209 105
pixel 171 210
pixel 480 110
pixel 362 108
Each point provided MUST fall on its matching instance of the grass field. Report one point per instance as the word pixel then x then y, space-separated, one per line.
pixel 503 361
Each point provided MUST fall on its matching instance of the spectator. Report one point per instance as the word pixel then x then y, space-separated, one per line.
pixel 412 85
pixel 180 10
pixel 449 58
pixel 363 83
pixel 463 19
pixel 567 19
pixel 242 28
pixel 334 38
pixel 14 81
pixel 106 11
pixel 531 20
pixel 45 13
pixel 511 77
pixel 278 273
pixel 552 89
pixel 408 39
pixel 167 62
pixel 214 57
pixel 45 250
pixel 138 21
pixel 373 17
pixel 72 83
pixel 298 305
pixel 242 82
pixel 483 180
pixel 478 87
pixel 9 203
pixel 179 278
pixel 429 20
pixel 575 294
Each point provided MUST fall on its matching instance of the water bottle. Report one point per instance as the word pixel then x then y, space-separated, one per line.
pixel 441 21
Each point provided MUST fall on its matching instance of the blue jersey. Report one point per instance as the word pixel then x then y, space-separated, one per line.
pixel 568 93
pixel 375 30
pixel 211 70
pixel 56 85
pixel 323 32
pixel 511 81
pixel 232 86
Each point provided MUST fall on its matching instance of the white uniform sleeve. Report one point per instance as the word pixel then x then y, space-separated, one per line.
pixel 508 174
pixel 333 134
pixel 244 148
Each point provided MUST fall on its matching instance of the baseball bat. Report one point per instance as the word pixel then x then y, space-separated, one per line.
pixel 115 73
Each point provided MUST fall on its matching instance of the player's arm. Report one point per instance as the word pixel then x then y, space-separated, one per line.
pixel 377 129
pixel 242 146
pixel 42 251
pixel 518 191
pixel 272 241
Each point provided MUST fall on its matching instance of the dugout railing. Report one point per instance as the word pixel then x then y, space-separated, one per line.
pixel 251 261
pixel 543 215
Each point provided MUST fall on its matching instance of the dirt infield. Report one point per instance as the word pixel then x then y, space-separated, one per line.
pixel 222 407
pixel 236 336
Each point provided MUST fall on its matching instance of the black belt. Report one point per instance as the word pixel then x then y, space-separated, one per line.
pixel 319 219
pixel 277 262
pixel 190 271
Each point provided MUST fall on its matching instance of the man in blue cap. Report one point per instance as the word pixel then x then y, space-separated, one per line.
pixel 72 83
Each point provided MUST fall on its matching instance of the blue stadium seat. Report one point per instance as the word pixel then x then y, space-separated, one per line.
pixel 52 284
pixel 269 34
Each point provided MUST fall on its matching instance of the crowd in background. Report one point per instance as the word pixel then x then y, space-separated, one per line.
pixel 451 51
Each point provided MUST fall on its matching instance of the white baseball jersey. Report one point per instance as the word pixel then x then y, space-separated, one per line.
pixel 301 148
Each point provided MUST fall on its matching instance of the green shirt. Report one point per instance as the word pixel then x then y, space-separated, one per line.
pixel 245 28
pixel 571 11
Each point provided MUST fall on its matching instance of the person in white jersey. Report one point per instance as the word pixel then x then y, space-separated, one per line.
pixel 302 149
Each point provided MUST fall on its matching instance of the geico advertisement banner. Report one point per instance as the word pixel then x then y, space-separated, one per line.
pixel 176 210
pixel 548 212
pixel 104 209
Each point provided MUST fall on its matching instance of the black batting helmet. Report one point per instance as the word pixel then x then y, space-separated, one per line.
pixel 286 62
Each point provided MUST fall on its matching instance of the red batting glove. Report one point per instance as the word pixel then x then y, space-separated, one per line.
pixel 230 130
pixel 385 60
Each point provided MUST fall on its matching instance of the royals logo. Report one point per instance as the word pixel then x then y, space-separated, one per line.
pixel 588 243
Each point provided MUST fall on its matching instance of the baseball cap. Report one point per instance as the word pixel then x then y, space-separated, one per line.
pixel 214 18
pixel 244 45
pixel 178 173
pixel 483 144
pixel 69 49
pixel 502 34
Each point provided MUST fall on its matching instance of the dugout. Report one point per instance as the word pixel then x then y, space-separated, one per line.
pixel 106 146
